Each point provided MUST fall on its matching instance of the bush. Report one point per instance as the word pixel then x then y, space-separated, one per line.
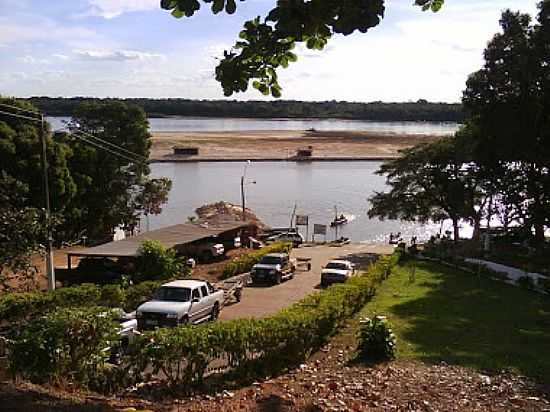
pixel 244 263
pixel 137 294
pixel 376 340
pixel 16 307
pixel 155 262
pixel 64 345
pixel 255 347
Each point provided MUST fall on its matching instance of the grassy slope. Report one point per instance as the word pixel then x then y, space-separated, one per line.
pixel 447 315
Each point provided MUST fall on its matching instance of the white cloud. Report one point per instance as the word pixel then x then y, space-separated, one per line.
pixel 116 55
pixel 60 56
pixel 28 59
pixel 113 8
pixel 44 30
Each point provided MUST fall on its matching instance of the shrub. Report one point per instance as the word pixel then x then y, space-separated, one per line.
pixel 137 294
pixel 255 347
pixel 155 262
pixel 244 263
pixel 376 340
pixel 67 344
pixel 16 307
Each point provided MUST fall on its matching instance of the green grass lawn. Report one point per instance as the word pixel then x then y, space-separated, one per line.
pixel 448 315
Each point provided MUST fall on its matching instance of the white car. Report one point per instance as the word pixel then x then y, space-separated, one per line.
pixel 180 301
pixel 336 271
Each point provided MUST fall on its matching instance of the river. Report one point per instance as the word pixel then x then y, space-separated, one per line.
pixel 210 124
pixel 316 188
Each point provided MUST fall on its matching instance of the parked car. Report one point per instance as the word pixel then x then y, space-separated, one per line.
pixel 296 238
pixel 180 301
pixel 336 271
pixel 274 268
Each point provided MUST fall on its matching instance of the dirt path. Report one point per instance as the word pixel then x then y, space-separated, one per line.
pixel 259 301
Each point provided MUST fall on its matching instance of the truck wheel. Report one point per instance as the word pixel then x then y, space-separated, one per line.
pixel 278 279
pixel 238 294
pixel 215 312
pixel 184 320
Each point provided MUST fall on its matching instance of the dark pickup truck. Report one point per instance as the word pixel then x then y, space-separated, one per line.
pixel 273 268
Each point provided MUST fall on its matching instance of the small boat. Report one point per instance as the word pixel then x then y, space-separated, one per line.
pixel 338 220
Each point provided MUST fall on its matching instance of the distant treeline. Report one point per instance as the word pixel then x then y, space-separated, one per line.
pixel 418 111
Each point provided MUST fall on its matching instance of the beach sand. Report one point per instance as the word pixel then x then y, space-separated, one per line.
pixel 280 145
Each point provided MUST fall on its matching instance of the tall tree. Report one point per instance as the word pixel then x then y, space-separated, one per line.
pixel 429 182
pixel 266 45
pixel 508 101
pixel 109 185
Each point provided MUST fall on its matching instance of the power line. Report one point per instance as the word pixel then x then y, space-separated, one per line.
pixel 99 146
pixel 20 109
pixel 114 146
pixel 34 119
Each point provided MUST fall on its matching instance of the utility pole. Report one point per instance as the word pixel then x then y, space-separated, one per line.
pixel 50 270
pixel 242 198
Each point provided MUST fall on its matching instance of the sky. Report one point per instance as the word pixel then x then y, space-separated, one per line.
pixel 132 48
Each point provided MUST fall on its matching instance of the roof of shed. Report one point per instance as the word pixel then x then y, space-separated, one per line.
pixel 169 236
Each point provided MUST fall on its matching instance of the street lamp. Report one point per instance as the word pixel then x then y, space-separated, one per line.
pixel 243 183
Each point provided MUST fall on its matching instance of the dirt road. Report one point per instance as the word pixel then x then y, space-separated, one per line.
pixel 260 301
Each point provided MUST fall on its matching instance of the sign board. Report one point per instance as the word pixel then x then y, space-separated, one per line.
pixel 319 229
pixel 302 220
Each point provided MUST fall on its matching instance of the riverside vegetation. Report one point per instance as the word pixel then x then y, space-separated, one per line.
pixel 244 348
pixel 160 266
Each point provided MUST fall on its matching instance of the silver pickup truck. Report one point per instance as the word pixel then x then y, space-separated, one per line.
pixel 180 301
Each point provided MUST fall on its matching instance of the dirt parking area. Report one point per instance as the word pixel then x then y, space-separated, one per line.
pixel 260 301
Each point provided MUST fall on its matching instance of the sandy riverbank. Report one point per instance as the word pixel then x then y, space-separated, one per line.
pixel 277 144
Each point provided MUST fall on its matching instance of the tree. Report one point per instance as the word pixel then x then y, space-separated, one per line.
pixel 113 190
pixel 432 182
pixel 155 262
pixel 22 235
pixel 267 44
pixel 20 149
pixel 508 101
pixel 22 220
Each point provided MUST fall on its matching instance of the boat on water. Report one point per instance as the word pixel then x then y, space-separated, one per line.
pixel 338 220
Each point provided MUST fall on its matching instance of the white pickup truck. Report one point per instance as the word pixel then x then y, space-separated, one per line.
pixel 180 301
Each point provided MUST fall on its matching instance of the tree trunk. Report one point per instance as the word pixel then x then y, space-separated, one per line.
pixel 455 230
pixel 539 232
pixel 477 228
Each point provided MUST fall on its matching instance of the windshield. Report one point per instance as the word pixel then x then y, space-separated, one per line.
pixel 173 294
pixel 270 260
pixel 338 266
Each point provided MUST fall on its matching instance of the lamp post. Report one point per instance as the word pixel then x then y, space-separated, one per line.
pixel 243 184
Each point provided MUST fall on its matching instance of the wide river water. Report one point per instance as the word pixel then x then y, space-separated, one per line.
pixel 213 124
pixel 316 188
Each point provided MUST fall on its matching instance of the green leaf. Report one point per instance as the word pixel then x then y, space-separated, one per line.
pixel 230 7
pixel 177 13
pixel 276 91
pixel 217 6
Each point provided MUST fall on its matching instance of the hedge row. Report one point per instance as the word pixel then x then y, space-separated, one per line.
pixel 19 306
pixel 256 347
pixel 244 263
pixel 239 348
